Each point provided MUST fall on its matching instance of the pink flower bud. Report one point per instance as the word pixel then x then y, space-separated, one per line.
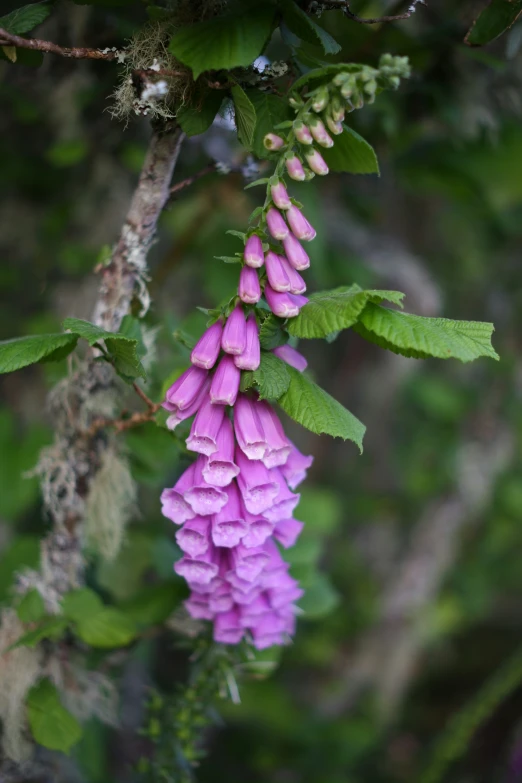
pixel 276 272
pixel 185 390
pixel 281 304
pixel 299 224
pixel 225 383
pixel 179 416
pixel 249 289
pixel 250 359
pixel 291 357
pixel 253 254
pixel 280 196
pixel 273 142
pixel 320 133
pixel 335 126
pixel 295 253
pixel 320 99
pixel 276 224
pixel 317 163
pixel 206 350
pixel 233 339
pixel 295 168
pixel 297 284
pixel 302 133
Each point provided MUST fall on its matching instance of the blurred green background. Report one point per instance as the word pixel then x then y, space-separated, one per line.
pixel 411 556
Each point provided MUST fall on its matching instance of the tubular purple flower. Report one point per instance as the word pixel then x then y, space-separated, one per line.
pixel 273 142
pixel 287 531
pixel 193 538
pixel 179 416
pixel 287 592
pixel 279 195
pixel 295 168
pixel 221 599
pixel 257 485
pixel 320 133
pixel 228 525
pixel 249 289
pixel 298 300
pixel 247 426
pixel 233 339
pixel 205 429
pixel 284 503
pixel 279 447
pixel 185 390
pixel 295 253
pixel 250 359
pixel 253 254
pixel 173 504
pixel 276 273
pixel 206 350
pixel 227 628
pixel 300 226
pixel 302 133
pixel 251 613
pixel 294 469
pixel 198 607
pixel 248 563
pixel 225 383
pixel 297 284
pixel 276 224
pixel 203 498
pixel 220 467
pixel 270 630
pixel 200 570
pixel 317 163
pixel 291 357
pixel 258 530
pixel 281 304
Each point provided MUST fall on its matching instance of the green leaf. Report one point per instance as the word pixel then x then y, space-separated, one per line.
pixel 51 724
pixel 304 27
pixel 419 337
pixel 315 409
pixel 122 349
pixel 271 333
pixel 50 628
pixel 23 20
pixel 494 20
pixel 328 312
pixel 107 628
pixel 153 604
pixel 317 76
pixel 80 604
pixel 198 115
pixel 22 351
pixel 131 327
pixel 31 608
pixel 245 116
pixel 87 331
pixel 351 154
pixel 224 42
pixel 271 377
pixel 270 111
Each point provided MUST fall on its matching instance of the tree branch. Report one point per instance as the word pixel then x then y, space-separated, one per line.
pixel 344 6
pixel 185 183
pixel 74 52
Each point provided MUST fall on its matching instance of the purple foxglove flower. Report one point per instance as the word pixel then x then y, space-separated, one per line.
pixel 205 429
pixel 241 596
pixel 269 630
pixel 291 357
pixel 276 273
pixel 302 133
pixel 320 133
pixel 249 289
pixel 284 503
pixel 198 607
pixel 234 334
pixel 252 612
pixel 173 504
pixel 227 628
pixel 179 416
pixel 281 304
pixel 193 537
pixel 185 390
pixel 295 169
pixel 250 359
pixel 295 253
pixel 256 483
pixel 248 563
pixel 203 498
pixel 279 447
pixel 225 383
pixel 249 433
pixel 228 525
pixel 300 226
pixel 287 592
pixel 253 255
pixel 334 126
pixel 297 284
pixel 221 599
pixel 276 224
pixel 273 142
pixel 275 567
pixel 258 530
pixel 220 468
pixel 200 570
pixel 279 195
pixel 206 350
pixel 317 163
pixel 294 470
pixel 298 300
pixel 287 531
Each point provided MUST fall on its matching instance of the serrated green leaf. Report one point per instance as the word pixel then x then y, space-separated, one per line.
pixel 23 20
pixel 224 42
pixel 418 337
pixel 31 608
pixel 50 628
pixel 305 28
pixel 351 154
pixel 328 312
pixel 122 349
pixel 80 604
pixel 256 182
pixel 494 20
pixel 130 327
pixel 245 115
pixel 23 351
pixel 51 724
pixel 315 409
pixel 271 377
pixel 270 111
pixel 271 333
pixel 87 331
pixel 106 629
pixel 198 115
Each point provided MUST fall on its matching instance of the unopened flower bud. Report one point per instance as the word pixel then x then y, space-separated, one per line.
pixel 302 132
pixel 280 196
pixel 295 168
pixel 320 99
pixel 333 126
pixel 276 224
pixel 317 163
pixel 233 339
pixel 337 109
pixel 249 289
pixel 253 254
pixel 276 272
pixel 273 142
pixel 300 226
pixel 320 134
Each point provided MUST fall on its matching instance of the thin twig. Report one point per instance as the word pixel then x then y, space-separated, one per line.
pixel 185 183
pixel 75 52
pixel 153 406
pixel 126 422
pixel 344 6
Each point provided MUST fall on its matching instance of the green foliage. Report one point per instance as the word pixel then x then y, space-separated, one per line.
pixel 315 409
pixel 95 624
pixel 31 608
pixel 330 311
pixel 419 337
pixel 198 114
pixel 494 20
pixel 49 628
pixel 51 724
pixel 23 552
pixel 153 604
pixel 23 20
pixel 271 377
pixel 123 351
pixel 351 154
pixel 302 25
pixel 270 111
pixel 271 333
pixel 245 114
pixel 23 351
pixel 224 42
